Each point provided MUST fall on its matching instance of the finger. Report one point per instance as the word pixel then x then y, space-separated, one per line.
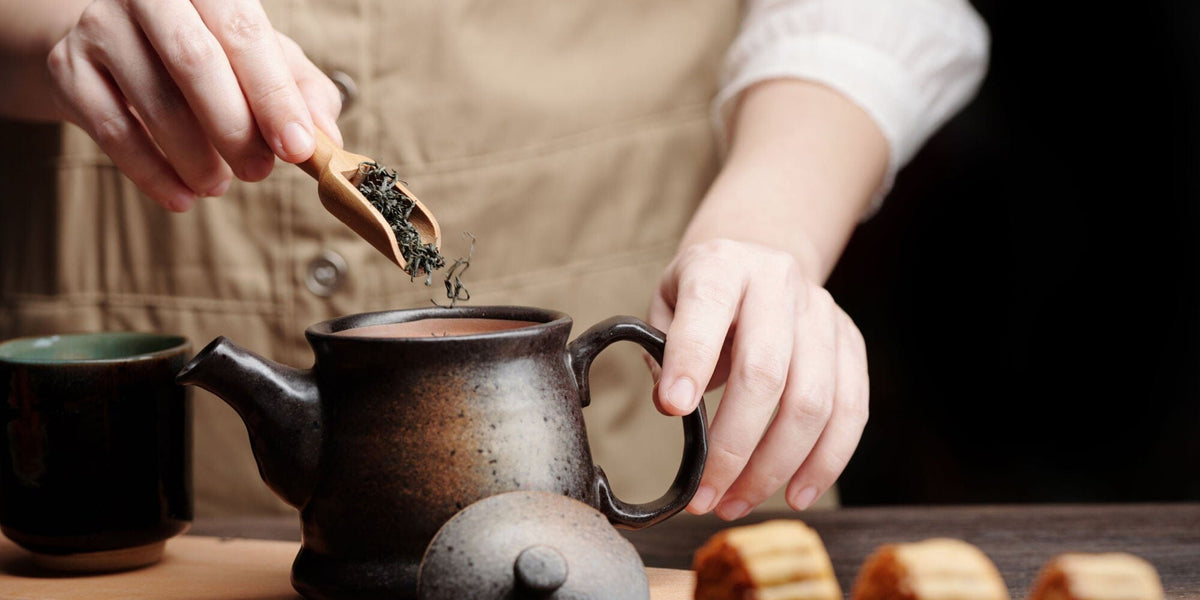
pixel 659 316
pixel 762 348
pixel 91 101
pixel 254 51
pixel 203 74
pixel 161 107
pixel 320 94
pixel 840 437
pixel 720 372
pixel 804 410
pixel 661 313
pixel 706 300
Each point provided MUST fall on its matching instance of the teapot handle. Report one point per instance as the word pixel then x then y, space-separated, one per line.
pixel 695 432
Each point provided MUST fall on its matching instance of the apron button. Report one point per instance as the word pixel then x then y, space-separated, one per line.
pixel 346 87
pixel 326 273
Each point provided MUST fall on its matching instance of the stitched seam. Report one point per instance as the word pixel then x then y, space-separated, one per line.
pixel 612 261
pixel 591 137
pixel 144 300
pixel 645 255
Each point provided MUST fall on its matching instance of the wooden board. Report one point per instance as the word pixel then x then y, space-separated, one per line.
pixel 209 568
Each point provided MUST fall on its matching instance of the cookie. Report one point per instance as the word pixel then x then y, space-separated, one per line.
pixel 1111 576
pixel 935 569
pixel 775 560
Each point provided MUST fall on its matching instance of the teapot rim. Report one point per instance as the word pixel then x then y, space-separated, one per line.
pixel 543 317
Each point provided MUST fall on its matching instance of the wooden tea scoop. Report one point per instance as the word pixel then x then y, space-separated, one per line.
pixel 337 172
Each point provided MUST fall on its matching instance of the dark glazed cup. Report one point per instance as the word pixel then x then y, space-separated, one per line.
pixel 95 448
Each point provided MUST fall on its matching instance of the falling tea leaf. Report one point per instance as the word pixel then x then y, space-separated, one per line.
pixel 455 290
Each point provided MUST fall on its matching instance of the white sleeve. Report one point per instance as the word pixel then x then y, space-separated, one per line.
pixel 909 64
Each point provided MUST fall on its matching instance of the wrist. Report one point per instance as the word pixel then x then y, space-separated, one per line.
pixel 804 165
pixel 750 204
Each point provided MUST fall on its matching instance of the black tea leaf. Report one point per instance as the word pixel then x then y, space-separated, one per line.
pixel 378 184
pixel 455 290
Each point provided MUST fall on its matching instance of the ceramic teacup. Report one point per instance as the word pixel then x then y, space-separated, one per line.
pixel 95 448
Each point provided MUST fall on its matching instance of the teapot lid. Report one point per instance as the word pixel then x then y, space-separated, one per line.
pixel 530 545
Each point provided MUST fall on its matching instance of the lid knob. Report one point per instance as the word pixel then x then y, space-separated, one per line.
pixel 540 569
pixel 530 545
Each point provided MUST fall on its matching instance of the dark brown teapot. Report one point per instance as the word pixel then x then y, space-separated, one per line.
pixel 409 416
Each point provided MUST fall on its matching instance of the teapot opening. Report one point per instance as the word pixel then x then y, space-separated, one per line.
pixel 435 327
pixel 440 322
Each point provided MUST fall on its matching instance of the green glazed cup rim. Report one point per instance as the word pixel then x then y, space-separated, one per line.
pixel 91 348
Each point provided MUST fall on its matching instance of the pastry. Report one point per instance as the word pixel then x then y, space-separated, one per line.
pixel 1112 576
pixel 935 569
pixel 776 560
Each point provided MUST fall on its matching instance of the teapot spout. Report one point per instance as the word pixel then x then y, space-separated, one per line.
pixel 279 405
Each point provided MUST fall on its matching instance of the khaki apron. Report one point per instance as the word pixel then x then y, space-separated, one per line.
pixel 571 138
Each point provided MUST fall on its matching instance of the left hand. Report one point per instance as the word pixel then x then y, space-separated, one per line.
pixel 793 362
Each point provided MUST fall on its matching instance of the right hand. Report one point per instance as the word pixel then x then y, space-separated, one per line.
pixel 183 95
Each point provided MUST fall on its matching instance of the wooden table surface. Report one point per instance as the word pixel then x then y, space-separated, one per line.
pixel 1018 538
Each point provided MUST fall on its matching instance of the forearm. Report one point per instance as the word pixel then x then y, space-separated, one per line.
pixel 27 32
pixel 803 165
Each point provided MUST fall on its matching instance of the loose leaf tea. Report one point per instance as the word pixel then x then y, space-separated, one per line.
pixel 378 184
pixel 455 290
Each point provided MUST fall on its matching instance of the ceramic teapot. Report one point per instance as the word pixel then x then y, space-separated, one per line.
pixel 408 416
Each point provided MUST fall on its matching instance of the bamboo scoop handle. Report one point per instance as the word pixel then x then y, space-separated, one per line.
pixel 325 151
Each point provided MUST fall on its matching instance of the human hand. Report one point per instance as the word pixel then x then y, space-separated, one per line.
pixel 184 95
pixel 793 362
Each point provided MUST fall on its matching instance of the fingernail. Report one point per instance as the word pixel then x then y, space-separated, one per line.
pixel 681 393
pixel 703 500
pixel 295 140
pixel 219 190
pixel 805 498
pixel 182 203
pixel 733 509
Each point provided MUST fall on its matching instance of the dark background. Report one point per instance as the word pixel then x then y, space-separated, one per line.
pixel 1030 292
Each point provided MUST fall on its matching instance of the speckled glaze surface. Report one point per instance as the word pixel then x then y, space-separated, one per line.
pixel 527 546
pixel 385 439
pixel 95 445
